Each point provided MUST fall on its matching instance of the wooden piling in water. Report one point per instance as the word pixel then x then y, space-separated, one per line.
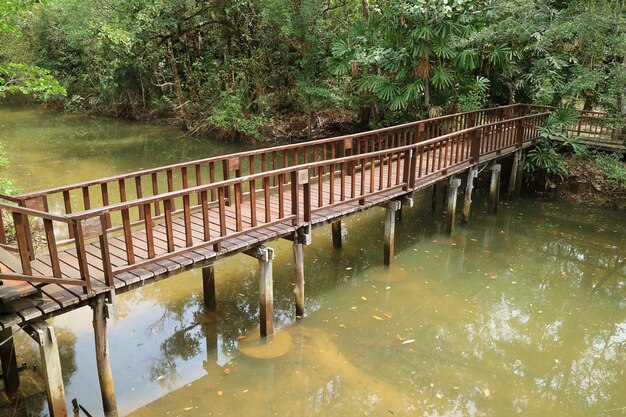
pixel 336 231
pixel 472 173
pixel 10 374
pixel 433 197
pixel 390 226
pixel 208 287
pixel 298 290
pixel 514 171
pixel 520 173
pixel 453 187
pixel 103 358
pixel 265 256
pixel 494 188
pixel 44 335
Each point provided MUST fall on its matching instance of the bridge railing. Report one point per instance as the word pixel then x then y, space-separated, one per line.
pixel 135 185
pixel 22 218
pixel 285 194
pixel 594 126
pixel 302 191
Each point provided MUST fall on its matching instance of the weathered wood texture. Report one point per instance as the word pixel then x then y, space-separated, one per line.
pixel 123 243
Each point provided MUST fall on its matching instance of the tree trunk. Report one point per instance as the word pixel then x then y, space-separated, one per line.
pixel 365 9
pixel 182 103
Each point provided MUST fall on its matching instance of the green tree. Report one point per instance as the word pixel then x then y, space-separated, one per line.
pixel 20 77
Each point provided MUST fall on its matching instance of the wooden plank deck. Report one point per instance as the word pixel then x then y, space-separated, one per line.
pixel 223 217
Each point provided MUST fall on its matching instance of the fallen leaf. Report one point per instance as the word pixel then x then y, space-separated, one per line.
pixel 378 318
pixel 388 315
pixel 187 408
pixel 160 377
pixel 487 392
pixel 227 371
pixel 400 338
pixel 364 298
pixel 406 342
pixel 353 308
pixel 348 268
pixel 219 393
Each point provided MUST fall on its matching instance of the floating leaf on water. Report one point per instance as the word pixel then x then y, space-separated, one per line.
pixel 364 298
pixel 377 318
pixel 219 393
pixel 439 396
pixel 406 342
pixel 348 268
pixel 387 288
pixel 487 392
pixel 353 308
pixel 160 377
pixel 400 338
pixel 227 371
pixel 187 408
pixel 388 315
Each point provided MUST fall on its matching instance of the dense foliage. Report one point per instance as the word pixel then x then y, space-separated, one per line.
pixel 231 66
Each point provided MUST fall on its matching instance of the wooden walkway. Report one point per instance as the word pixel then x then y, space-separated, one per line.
pixel 111 235
pixel 83 243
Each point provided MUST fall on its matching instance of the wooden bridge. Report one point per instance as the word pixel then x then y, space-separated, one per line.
pixel 81 244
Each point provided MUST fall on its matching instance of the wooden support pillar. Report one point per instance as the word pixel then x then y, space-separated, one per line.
pixel 265 256
pixel 336 230
pixel 43 333
pixel 517 156
pixel 494 188
pixel 433 196
pixel 300 239
pixel 103 355
pixel 9 363
pixel 453 187
pixel 398 214
pixel 208 287
pixel 298 290
pixel 520 173
pixel 406 201
pixel 390 226
pixel 472 173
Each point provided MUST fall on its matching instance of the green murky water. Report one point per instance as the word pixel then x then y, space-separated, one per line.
pixel 521 313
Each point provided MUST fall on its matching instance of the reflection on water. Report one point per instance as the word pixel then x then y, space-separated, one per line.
pixel 522 313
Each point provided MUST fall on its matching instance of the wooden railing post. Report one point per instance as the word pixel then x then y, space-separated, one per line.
pixel 295 197
pixel 519 131
pixel 81 254
pixel 306 191
pixel 345 149
pixel 475 136
pixel 20 222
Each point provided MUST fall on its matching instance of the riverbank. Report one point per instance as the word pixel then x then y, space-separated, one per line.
pixel 589 182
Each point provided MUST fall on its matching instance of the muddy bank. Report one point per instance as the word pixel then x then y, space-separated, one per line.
pixel 587 184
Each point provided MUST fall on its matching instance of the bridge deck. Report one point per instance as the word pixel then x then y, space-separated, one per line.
pixel 141 239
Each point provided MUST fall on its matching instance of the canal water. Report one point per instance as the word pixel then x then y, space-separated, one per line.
pixel 518 313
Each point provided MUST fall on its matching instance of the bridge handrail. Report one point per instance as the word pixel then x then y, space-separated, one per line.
pixel 219 158
pixel 311 165
pixel 465 146
pixel 103 191
pixel 591 125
